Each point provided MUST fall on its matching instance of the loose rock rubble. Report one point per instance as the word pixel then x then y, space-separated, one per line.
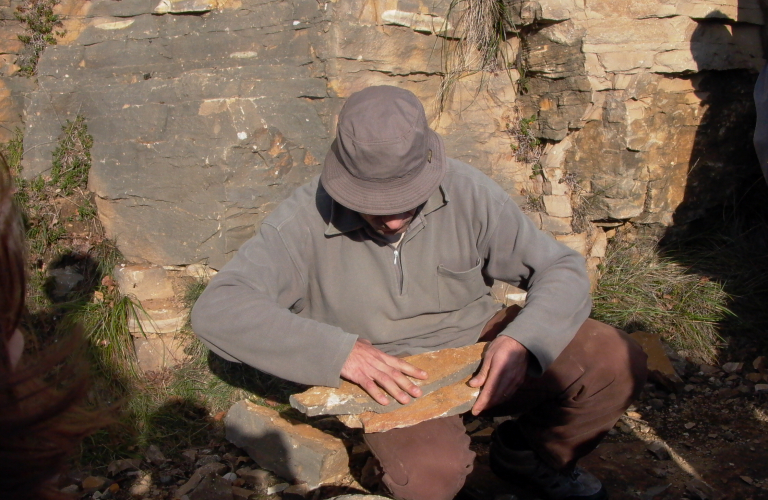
pixel 707 441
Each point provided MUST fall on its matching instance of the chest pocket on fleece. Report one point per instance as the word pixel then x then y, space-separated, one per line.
pixel 458 289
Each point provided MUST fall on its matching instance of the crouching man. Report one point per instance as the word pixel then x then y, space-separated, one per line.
pixel 391 252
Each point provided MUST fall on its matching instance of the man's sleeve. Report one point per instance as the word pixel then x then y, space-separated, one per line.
pixel 245 315
pixel 555 277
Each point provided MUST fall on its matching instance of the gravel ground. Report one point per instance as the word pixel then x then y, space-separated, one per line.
pixel 708 440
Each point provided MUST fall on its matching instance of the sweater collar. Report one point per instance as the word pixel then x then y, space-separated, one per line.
pixel 344 220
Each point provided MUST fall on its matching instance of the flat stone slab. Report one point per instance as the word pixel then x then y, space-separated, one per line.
pixel 444 402
pixel 144 282
pixel 156 353
pixel 444 367
pixel 291 450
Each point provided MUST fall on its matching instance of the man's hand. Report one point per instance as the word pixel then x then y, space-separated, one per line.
pixel 505 363
pixel 373 370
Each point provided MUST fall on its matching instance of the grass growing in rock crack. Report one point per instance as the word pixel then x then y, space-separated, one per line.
pixel 526 146
pixel 72 157
pixel 642 290
pixel 40 23
pixel 481 29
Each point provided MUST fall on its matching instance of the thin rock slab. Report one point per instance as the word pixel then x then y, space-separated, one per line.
pixel 447 401
pixel 660 369
pixel 444 367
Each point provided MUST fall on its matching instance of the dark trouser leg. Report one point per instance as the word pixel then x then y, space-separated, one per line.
pixel 564 415
pixel 566 412
pixel 427 461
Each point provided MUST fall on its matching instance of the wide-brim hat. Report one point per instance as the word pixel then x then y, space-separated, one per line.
pixel 385 159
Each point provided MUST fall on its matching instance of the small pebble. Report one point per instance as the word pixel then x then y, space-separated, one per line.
pixel 472 426
pixel 659 450
pixel 208 459
pixel 733 367
pixel 277 488
pixel 657 472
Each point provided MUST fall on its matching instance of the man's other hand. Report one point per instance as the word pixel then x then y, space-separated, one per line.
pixel 505 363
pixel 373 370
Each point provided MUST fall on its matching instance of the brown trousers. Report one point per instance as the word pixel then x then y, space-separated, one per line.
pixel 563 414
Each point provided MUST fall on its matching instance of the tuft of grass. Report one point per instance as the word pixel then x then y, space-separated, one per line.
pixel 481 29
pixel 533 203
pixel 729 245
pixel 13 151
pixel 584 203
pixel 526 146
pixel 193 291
pixel 72 157
pixel 105 322
pixel 41 25
pixel 642 290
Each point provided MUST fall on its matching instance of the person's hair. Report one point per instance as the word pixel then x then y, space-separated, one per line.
pixel 42 420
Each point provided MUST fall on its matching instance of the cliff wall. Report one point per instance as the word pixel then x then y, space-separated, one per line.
pixel 206 114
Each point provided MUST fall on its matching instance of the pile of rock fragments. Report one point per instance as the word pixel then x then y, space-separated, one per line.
pixel 698 432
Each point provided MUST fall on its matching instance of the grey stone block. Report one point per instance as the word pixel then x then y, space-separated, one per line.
pixel 291 450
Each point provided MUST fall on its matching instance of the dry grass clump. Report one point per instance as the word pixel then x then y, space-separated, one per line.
pixel 480 30
pixel 640 290
pixel 525 145
pixel 482 24
pixel 730 245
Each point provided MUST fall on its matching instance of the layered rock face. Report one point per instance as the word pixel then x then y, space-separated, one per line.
pixel 651 100
pixel 13 88
pixel 207 114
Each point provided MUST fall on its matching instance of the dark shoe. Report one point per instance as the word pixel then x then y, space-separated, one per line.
pixel 512 461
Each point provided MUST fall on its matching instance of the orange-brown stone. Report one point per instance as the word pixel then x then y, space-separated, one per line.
pixel 444 367
pixel 660 368
pixel 444 402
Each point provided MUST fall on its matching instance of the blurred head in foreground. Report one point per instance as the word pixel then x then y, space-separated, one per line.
pixel 41 420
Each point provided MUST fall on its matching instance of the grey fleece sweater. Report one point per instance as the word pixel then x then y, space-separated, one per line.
pixel 296 297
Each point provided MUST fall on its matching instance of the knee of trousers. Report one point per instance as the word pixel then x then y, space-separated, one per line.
pixel 430 481
pixel 616 361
